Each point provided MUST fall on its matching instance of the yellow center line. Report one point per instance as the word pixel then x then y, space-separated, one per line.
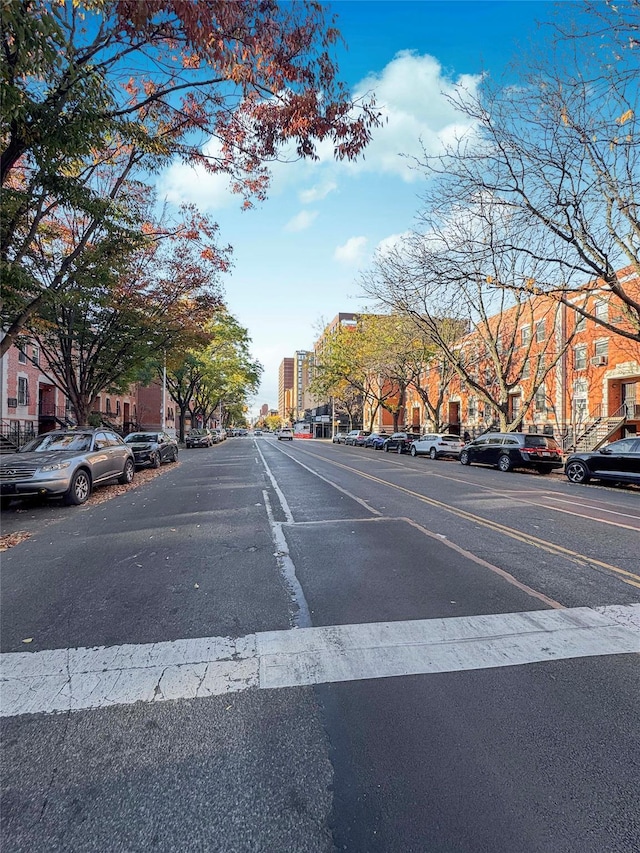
pixel 528 539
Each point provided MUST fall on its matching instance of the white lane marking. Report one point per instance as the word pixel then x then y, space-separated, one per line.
pixel 80 679
pixel 277 489
pixel 302 618
pixel 338 488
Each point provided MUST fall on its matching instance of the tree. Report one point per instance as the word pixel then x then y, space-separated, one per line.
pixel 129 302
pixel 450 281
pixel 230 375
pixel 561 153
pixel 226 86
pixel 273 422
pixel 219 374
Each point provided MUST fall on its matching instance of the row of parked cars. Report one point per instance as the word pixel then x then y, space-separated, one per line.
pixel 618 461
pixel 70 463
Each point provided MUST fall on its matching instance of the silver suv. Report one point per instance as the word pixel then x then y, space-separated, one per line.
pixel 67 463
pixel 285 435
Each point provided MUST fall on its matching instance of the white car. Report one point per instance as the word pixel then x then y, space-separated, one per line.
pixel 437 444
pixel 285 435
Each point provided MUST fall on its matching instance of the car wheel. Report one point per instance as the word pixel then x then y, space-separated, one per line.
pixel 504 463
pixel 464 458
pixel 413 451
pixel 127 474
pixel 577 472
pixel 155 460
pixel 399 449
pixel 80 487
pixel 174 455
pixel 385 447
pixel 433 454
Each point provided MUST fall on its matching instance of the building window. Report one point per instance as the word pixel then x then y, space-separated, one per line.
pixel 525 335
pixel 580 357
pixel 601 309
pixel 580 409
pixel 117 407
pixel 23 391
pixel 540 332
pixel 22 356
pixel 108 405
pixel 601 352
pixel 541 400
pixel 472 407
pixel 581 323
pixel 526 369
pixel 36 355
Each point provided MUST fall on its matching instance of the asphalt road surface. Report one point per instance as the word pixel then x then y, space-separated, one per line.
pixel 300 646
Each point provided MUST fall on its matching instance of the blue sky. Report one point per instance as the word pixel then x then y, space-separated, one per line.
pixel 297 256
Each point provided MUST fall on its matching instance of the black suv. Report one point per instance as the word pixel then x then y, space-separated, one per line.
pixel 507 450
pixel 399 441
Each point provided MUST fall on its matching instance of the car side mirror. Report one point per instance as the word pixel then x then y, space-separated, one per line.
pixel 605 451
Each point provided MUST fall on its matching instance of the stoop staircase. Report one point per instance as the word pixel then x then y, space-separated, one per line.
pixel 599 431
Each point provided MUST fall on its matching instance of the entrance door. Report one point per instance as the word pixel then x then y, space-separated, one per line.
pixel 629 398
pixel 454 418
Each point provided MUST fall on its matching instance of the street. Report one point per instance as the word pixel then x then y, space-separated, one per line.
pixel 301 646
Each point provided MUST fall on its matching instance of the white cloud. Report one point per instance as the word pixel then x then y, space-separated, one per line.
pixel 301 221
pixel 317 193
pixel 351 252
pixel 388 244
pixel 411 93
pixel 181 183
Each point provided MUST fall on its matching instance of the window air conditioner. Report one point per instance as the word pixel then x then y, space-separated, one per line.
pixel 600 360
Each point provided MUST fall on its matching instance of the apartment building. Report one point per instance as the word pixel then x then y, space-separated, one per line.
pixel 285 389
pixel 31 402
pixel 559 372
pixel 302 397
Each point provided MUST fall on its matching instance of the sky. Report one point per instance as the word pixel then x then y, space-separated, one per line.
pixel 297 256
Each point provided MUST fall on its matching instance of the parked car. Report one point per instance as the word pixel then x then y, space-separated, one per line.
pixel 200 438
pixel 285 434
pixel 436 445
pixel 257 432
pixel 618 461
pixel 339 438
pixel 376 440
pixel 67 463
pixel 508 450
pixel 356 437
pixel 152 448
pixel 399 441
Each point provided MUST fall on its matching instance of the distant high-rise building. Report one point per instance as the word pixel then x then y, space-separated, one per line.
pixel 302 399
pixel 285 388
pixel 264 410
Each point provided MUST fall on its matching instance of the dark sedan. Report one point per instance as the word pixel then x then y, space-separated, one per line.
pixel 66 463
pixel 400 442
pixel 619 461
pixel 152 448
pixel 200 438
pixel 376 440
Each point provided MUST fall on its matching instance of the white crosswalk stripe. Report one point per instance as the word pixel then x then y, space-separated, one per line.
pixel 60 680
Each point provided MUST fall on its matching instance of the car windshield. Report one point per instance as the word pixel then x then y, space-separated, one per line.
pixel 56 441
pixel 197 432
pixel 141 436
pixel 450 438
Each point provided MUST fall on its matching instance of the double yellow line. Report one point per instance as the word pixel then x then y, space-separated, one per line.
pixel 526 538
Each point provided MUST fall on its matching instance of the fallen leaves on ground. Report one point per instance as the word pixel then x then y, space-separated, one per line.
pixel 11 539
pixel 101 494
pixel 105 493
